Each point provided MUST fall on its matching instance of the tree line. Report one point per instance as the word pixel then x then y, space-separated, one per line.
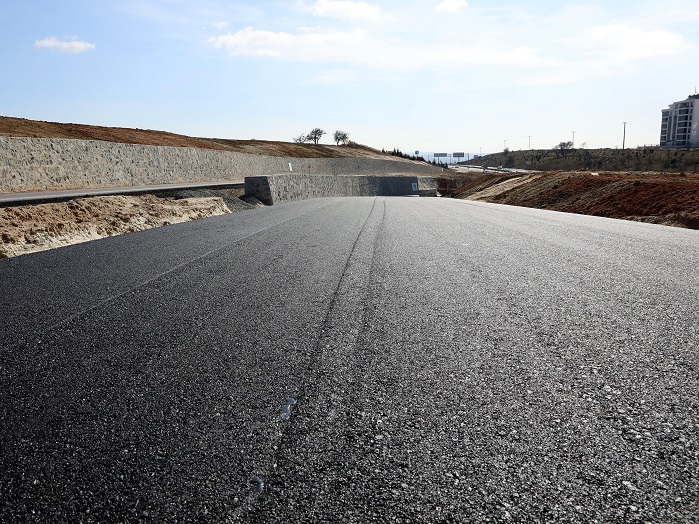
pixel 340 137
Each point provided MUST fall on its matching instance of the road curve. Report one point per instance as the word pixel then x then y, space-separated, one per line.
pixel 355 360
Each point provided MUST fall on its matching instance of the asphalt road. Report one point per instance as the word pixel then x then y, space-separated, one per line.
pixel 355 360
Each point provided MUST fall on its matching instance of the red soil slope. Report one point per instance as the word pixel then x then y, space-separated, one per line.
pixel 20 127
pixel 661 198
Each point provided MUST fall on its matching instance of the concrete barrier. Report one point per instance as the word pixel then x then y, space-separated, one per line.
pixel 276 189
pixel 42 164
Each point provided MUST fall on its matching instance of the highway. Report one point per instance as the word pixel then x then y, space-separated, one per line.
pixel 355 360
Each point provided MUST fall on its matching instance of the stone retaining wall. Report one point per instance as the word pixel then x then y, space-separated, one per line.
pixel 283 188
pixel 39 164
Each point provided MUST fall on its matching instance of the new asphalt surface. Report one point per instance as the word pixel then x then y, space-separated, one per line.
pixel 355 360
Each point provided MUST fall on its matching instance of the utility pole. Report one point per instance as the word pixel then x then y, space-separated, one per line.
pixel 573 138
pixel 530 142
pixel 623 143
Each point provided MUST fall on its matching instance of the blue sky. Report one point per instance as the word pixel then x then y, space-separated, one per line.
pixel 431 75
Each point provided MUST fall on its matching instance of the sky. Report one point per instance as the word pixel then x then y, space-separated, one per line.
pixel 470 76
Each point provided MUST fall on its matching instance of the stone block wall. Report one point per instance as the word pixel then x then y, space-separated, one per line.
pixel 276 189
pixel 40 164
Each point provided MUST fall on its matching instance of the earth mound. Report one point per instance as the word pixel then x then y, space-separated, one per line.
pixel 659 198
pixel 21 127
pixel 28 229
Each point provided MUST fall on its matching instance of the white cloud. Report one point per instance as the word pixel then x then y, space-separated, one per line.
pixel 606 51
pixel 338 46
pixel 452 6
pixel 359 48
pixel 345 10
pixel 552 51
pixel 633 43
pixel 66 46
pixel 221 25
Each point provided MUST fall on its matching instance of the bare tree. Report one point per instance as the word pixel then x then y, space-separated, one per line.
pixel 316 135
pixel 340 137
pixel 563 148
pixel 301 139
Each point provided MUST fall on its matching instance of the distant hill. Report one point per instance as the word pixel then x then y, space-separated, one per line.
pixel 641 159
pixel 21 127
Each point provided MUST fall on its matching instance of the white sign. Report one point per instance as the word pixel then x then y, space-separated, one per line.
pixel 290 169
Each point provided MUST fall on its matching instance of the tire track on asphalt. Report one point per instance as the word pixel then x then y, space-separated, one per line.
pixel 309 462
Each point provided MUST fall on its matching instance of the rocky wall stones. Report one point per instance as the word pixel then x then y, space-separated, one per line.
pixel 39 164
pixel 276 189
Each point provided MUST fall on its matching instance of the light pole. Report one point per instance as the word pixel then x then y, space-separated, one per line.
pixel 623 143
pixel 573 138
pixel 530 142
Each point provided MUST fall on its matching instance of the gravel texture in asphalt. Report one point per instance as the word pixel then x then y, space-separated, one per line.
pixel 355 360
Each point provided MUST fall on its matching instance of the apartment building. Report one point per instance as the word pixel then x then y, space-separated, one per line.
pixel 680 124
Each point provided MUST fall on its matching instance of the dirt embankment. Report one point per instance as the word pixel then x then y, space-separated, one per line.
pixel 660 198
pixel 28 229
pixel 21 127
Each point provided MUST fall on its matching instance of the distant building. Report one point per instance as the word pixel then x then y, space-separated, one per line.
pixel 680 124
